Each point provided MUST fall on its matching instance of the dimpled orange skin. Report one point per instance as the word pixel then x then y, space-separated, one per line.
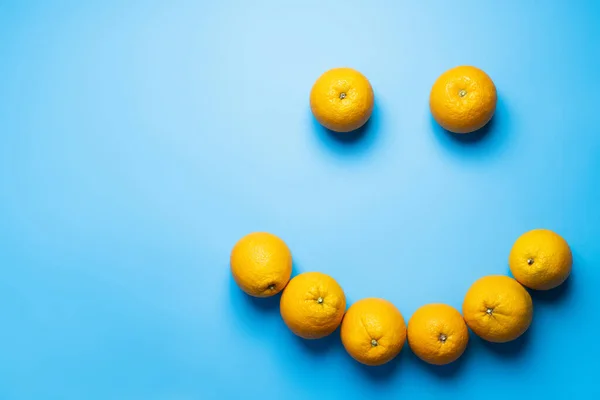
pixel 497 308
pixel 373 331
pixel 342 99
pixel 463 99
pixel 312 305
pixel 540 259
pixel 437 334
pixel 261 264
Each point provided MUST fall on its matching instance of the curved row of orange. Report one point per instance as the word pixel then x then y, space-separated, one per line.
pixel 373 331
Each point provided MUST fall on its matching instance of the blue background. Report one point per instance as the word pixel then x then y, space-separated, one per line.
pixel 141 139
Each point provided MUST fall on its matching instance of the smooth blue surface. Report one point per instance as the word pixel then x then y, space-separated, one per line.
pixel 141 139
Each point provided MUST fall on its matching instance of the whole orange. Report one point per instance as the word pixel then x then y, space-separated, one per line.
pixel 261 264
pixel 540 259
pixel 342 99
pixel 373 331
pixel 463 99
pixel 497 308
pixel 312 305
pixel 437 334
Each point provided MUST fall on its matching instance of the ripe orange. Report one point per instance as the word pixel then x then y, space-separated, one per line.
pixel 540 259
pixel 437 334
pixel 312 305
pixel 261 264
pixel 497 308
pixel 373 331
pixel 342 99
pixel 463 99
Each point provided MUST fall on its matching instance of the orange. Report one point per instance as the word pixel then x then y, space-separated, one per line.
pixel 497 308
pixel 463 99
pixel 373 331
pixel 312 305
pixel 437 334
pixel 540 259
pixel 261 264
pixel 342 99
